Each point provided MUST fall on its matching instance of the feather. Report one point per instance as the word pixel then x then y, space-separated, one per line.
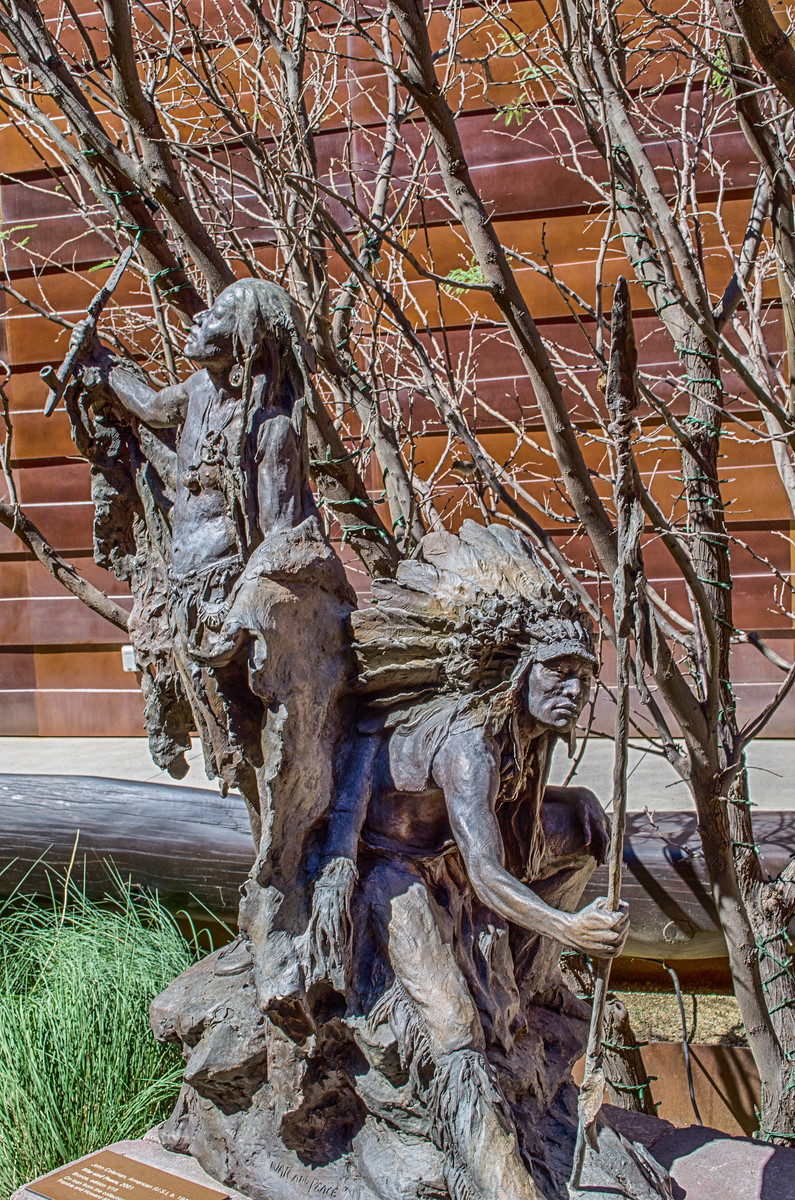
pixel 462 615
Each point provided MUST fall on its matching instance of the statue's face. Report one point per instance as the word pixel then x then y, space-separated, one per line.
pixel 210 337
pixel 557 691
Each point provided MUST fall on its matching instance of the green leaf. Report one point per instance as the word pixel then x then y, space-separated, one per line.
pixel 473 274
pixel 7 233
pixel 720 75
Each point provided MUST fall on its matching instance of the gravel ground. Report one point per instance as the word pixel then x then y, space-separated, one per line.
pixel 714 1020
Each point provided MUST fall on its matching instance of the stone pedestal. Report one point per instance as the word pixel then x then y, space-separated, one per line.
pixel 708 1165
pixel 704 1164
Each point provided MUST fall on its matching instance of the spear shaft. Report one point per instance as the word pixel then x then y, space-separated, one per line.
pixel 57 381
pixel 622 399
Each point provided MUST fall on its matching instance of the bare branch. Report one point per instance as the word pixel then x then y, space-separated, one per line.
pixel 732 296
pixel 422 84
pixel 14 519
pixel 159 174
pixel 771 47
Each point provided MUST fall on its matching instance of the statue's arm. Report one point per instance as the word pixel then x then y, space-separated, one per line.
pixel 466 768
pixel 327 942
pixel 101 369
pixel 160 409
pixel 349 810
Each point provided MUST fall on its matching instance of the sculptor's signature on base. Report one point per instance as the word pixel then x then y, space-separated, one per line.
pixel 315 1186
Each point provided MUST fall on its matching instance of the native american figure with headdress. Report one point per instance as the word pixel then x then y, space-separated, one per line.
pixel 427 1051
pixel 472 663
pixel 390 1023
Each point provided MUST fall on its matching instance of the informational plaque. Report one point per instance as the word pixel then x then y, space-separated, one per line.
pixel 111 1176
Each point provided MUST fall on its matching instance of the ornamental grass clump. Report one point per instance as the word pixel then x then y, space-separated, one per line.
pixel 79 1067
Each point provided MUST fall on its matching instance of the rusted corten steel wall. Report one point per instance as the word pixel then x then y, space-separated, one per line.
pixel 60 665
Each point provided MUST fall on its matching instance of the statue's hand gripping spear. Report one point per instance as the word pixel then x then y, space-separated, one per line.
pixel 58 381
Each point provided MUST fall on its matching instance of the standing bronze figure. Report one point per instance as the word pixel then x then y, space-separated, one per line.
pixel 391 1022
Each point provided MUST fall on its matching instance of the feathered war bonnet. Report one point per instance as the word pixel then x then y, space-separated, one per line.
pixel 466 618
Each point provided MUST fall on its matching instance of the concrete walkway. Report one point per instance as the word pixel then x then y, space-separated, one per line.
pixel 652 782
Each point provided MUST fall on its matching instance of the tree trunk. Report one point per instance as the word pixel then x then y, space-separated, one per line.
pixel 628 1084
pixel 753 920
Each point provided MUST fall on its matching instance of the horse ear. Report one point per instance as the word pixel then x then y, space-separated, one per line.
pixel 572 742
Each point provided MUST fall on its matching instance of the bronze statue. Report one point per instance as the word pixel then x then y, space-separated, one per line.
pixel 204 505
pixel 471 663
pixel 390 1023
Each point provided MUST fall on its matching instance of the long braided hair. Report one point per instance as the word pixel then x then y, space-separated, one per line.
pixel 273 351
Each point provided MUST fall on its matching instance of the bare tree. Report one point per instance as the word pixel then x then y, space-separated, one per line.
pixel 322 146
